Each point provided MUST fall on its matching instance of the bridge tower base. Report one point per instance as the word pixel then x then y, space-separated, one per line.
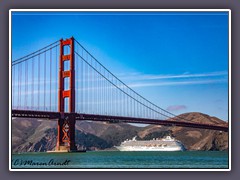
pixel 66 135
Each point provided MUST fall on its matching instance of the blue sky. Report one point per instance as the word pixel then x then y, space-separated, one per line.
pixel 177 60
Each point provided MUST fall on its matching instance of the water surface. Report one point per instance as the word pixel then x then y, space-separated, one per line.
pixel 118 159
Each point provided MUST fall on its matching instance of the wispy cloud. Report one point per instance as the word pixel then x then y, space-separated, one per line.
pixel 175 83
pixel 146 80
pixel 186 75
pixel 139 76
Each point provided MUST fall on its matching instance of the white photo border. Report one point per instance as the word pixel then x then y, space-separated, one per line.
pixel 119 10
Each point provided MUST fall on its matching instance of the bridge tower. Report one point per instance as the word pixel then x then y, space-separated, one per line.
pixel 66 124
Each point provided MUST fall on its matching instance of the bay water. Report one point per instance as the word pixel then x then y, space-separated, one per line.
pixel 123 160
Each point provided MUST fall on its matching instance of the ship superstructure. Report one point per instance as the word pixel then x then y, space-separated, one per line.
pixel 165 144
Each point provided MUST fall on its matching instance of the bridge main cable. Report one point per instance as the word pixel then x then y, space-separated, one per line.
pixel 33 54
pixel 28 73
pixel 170 115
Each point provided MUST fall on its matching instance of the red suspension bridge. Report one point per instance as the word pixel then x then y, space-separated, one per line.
pixel 64 81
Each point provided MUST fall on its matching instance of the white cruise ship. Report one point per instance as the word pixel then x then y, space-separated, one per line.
pixel 165 144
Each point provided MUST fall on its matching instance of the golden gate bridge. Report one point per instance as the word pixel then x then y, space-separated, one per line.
pixel 64 81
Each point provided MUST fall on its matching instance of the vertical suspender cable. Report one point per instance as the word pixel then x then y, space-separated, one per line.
pixel 104 90
pixel 25 86
pixel 13 87
pixel 138 108
pixel 32 87
pixel 84 81
pixel 95 89
pixel 102 101
pixel 100 92
pixel 108 90
pixel 76 79
pixel 133 110
pixel 20 82
pixel 150 112
pixel 104 93
pixel 143 112
pixel 124 102
pixel 114 99
pixel 92 88
pixel 131 100
pixel 134 103
pixel 101 105
pixel 127 103
pixel 82 84
pixel 87 83
pixel 44 81
pixel 109 107
pixel 130 104
pixel 90 84
pixel 76 83
pixel 56 78
pixel 18 87
pixel 50 79
pixel 101 95
pixel 111 100
pixel 38 93
pixel 147 109
pixel 117 107
pixel 117 100
pixel 121 99
pixel 85 87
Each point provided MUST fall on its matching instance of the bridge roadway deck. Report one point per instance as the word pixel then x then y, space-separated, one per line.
pixel 113 119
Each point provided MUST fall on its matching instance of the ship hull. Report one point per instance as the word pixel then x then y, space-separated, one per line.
pixel 120 148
